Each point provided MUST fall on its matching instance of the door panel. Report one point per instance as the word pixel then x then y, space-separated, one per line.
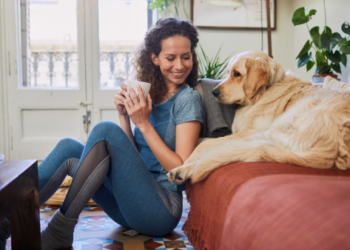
pixel 49 123
pixel 59 70
pixel 47 83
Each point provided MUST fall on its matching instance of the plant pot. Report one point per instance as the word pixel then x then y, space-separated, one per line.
pixel 319 79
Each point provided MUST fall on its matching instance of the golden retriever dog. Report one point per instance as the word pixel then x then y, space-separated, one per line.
pixel 282 119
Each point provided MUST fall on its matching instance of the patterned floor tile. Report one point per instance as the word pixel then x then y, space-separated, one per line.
pixel 95 230
pixel 130 232
pixel 133 245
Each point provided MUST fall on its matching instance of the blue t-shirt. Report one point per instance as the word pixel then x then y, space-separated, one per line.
pixel 184 106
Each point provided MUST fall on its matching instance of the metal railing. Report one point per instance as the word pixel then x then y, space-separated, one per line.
pixel 60 69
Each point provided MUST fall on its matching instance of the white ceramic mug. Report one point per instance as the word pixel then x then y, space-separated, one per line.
pixel 145 86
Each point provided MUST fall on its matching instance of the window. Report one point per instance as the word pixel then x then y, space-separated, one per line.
pixel 50 41
pixel 122 27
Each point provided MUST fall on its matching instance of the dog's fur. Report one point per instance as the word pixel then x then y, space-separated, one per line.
pixel 282 119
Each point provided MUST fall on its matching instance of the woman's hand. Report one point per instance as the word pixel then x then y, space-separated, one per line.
pixel 119 100
pixel 138 111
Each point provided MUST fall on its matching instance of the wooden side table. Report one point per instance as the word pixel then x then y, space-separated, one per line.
pixel 19 197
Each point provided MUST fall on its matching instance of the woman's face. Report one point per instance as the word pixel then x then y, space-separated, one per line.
pixel 175 59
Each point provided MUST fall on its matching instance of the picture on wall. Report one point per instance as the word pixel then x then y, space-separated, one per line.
pixel 232 14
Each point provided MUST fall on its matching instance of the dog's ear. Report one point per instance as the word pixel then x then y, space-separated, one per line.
pixel 277 72
pixel 258 73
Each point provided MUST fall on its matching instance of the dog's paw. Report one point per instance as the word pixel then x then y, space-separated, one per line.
pixel 180 174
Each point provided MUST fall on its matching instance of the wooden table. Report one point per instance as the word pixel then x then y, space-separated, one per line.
pixel 19 197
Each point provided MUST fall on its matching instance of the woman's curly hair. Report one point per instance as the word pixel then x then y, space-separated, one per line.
pixel 146 71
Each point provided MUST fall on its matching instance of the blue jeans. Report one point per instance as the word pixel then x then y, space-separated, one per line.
pixel 129 194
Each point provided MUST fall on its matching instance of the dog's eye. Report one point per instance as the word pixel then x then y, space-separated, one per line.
pixel 236 74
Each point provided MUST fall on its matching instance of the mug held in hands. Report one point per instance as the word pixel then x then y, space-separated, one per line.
pixel 145 86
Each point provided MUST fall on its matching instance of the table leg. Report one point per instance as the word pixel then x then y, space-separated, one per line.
pixel 25 223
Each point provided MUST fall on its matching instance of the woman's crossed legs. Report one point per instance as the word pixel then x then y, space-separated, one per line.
pixel 129 193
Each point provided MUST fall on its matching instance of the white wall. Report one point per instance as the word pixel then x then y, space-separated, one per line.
pixel 236 41
pixel 337 13
pixel 287 40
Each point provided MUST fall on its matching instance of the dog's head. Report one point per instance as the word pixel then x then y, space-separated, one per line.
pixel 249 74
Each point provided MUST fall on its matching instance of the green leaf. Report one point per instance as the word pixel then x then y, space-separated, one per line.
pixel 304 59
pixel 344 59
pixel 336 67
pixel 344 46
pixel 334 57
pixel 335 39
pixel 309 65
pixel 324 69
pixel 305 49
pixel 346 28
pixel 319 57
pixel 316 37
pixel 328 31
pixel 326 41
pixel 211 67
pixel 299 16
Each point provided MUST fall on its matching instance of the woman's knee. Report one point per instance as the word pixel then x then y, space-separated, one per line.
pixel 70 145
pixel 105 128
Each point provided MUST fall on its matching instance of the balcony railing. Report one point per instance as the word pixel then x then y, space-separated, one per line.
pixel 60 69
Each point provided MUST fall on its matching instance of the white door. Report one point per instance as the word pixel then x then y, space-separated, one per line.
pixel 60 77
pixel 46 79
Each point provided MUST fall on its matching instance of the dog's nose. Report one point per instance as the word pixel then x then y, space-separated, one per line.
pixel 216 92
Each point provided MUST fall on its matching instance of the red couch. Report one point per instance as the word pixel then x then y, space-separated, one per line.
pixel 270 206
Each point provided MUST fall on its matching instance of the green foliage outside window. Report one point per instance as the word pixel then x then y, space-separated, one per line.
pixel 163 7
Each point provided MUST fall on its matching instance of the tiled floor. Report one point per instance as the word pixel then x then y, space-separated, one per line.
pixel 95 230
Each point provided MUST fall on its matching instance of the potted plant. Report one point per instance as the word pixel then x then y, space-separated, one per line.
pixel 330 48
pixel 212 68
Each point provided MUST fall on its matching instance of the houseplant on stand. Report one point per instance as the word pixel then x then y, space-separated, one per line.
pixel 330 48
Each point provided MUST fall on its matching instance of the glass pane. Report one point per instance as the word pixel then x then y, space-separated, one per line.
pixel 122 27
pixel 49 43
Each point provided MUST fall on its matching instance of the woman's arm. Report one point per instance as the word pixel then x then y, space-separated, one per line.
pixel 186 133
pixel 119 101
pixel 186 141
pixel 126 126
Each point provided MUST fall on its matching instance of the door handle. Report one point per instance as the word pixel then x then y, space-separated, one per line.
pixel 84 104
pixel 87 117
pixel 87 121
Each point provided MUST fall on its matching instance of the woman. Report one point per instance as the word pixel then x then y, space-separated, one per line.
pixel 125 174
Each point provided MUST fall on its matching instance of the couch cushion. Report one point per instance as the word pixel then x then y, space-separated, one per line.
pixel 210 198
pixel 289 212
